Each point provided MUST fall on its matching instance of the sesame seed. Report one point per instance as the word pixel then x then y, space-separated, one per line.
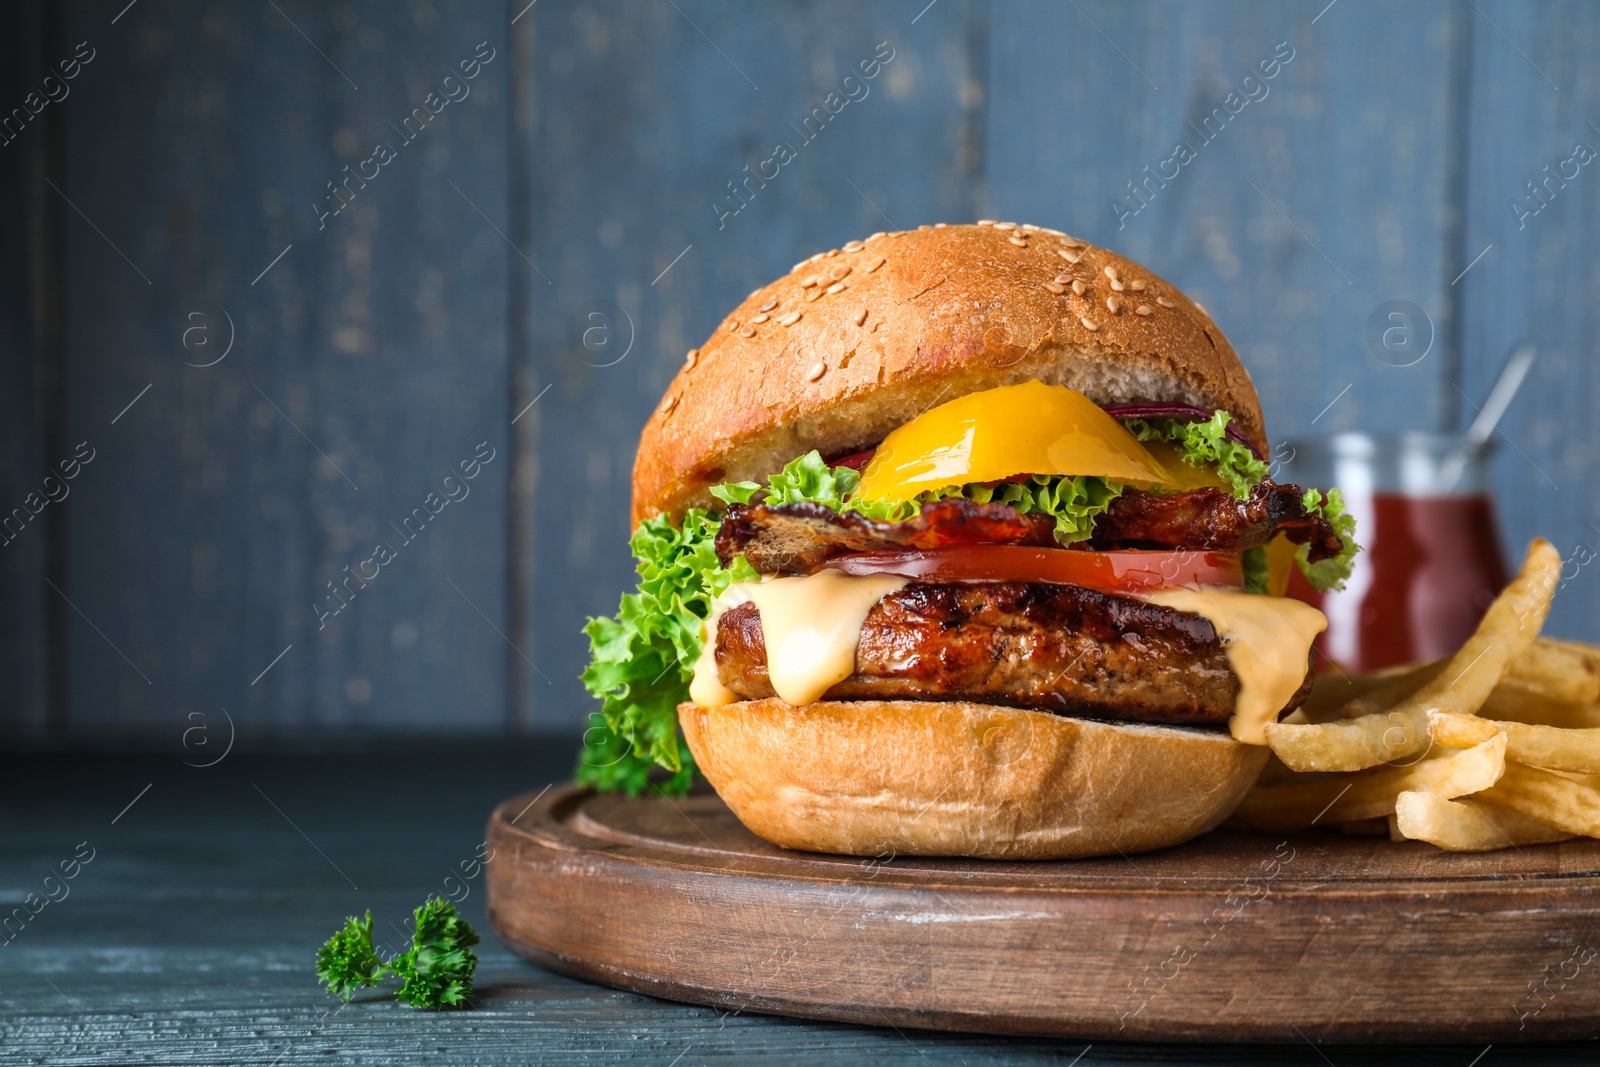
pixel 861 316
pixel 1142 309
pixel 798 265
pixel 692 357
pixel 1164 302
pixel 1113 305
pixel 877 235
pixel 771 303
pixel 1055 287
pixel 1029 227
pixel 986 222
pixel 1087 325
pixel 832 252
pixel 1065 279
pixel 1111 272
pixel 1202 308
pixel 854 246
pixel 1137 285
pixel 937 226
pixel 1072 242
pixel 874 265
pixel 668 404
pixel 748 331
pixel 816 257
pixel 1116 285
pixel 813 295
pixel 763 317
pixel 733 325
pixel 836 287
pixel 1052 233
pixel 1018 241
pixel 924 226
pixel 1070 257
pixel 839 271
pixel 1077 286
pixel 1004 225
pixel 817 371
pixel 789 319
pixel 815 279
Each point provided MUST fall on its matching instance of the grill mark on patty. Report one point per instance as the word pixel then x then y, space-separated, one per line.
pixel 1058 648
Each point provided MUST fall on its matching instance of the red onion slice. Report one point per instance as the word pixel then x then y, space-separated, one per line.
pixel 1177 411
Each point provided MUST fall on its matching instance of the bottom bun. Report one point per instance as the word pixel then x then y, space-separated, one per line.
pixel 919 778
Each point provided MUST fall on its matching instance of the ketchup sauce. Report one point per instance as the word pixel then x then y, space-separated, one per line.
pixel 1430 568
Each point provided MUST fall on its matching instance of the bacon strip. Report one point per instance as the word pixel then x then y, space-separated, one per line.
pixel 799 538
pixel 1212 518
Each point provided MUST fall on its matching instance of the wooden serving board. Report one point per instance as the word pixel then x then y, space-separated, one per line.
pixel 1232 937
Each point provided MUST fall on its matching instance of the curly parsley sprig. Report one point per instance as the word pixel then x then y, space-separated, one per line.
pixel 435 973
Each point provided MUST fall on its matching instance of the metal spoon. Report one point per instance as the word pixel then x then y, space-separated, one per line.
pixel 1505 388
pixel 1511 376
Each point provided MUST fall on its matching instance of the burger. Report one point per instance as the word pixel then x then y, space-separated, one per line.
pixel 961 541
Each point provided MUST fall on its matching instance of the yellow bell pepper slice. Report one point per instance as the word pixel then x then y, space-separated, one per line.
pixel 1032 428
pixel 1280 564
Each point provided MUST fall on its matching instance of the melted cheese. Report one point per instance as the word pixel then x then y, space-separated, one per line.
pixel 1267 639
pixel 811 627
pixel 705 688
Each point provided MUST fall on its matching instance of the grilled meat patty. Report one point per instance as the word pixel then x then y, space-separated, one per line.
pixel 1056 648
pixel 799 538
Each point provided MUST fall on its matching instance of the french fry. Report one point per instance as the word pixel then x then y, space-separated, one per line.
pixel 1336 688
pixel 1451 729
pixel 1514 704
pixel 1584 650
pixel 1464 825
pixel 1465 682
pixel 1356 695
pixel 1369 794
pixel 1548 747
pixel 1548 797
pixel 1561 672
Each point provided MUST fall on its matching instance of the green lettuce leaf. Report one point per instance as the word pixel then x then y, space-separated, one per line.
pixel 807 479
pixel 1330 573
pixel 1205 444
pixel 643 657
pixel 1074 503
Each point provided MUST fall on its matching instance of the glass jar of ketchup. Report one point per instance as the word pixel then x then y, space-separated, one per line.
pixel 1433 559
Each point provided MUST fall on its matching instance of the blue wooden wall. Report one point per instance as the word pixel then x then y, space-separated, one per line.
pixel 584 171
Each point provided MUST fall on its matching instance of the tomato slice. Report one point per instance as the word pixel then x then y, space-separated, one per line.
pixel 1130 571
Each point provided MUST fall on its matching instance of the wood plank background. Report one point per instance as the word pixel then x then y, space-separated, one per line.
pixel 582 177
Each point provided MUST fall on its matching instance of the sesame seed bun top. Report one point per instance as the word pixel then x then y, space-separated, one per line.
pixel 855 342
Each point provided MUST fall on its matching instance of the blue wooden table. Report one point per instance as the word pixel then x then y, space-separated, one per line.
pixel 188 935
